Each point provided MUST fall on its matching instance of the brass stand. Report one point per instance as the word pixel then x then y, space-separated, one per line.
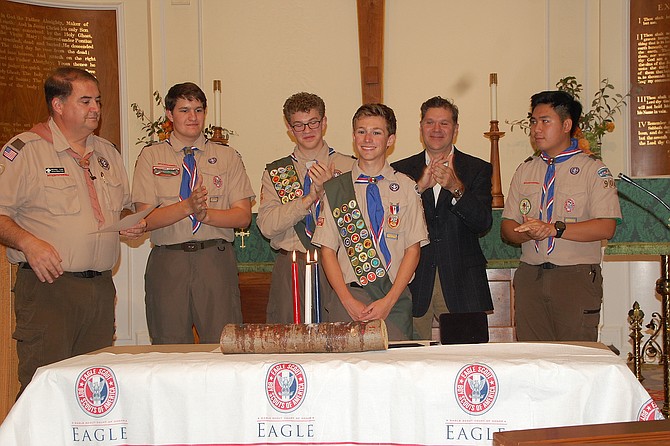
pixel 496 188
pixel 663 288
pixel 218 136
pixel 635 321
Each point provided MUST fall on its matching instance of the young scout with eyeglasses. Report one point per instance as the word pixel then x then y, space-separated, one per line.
pixel 291 202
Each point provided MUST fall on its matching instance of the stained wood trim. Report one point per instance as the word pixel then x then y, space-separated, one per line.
pixel 371 48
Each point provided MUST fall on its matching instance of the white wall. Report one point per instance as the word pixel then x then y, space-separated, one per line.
pixel 265 50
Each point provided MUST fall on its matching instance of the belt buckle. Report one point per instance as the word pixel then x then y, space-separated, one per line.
pixel 189 246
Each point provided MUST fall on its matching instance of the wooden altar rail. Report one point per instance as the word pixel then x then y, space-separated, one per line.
pixel 640 433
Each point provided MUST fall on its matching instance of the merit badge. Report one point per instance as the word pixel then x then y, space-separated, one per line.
pixel 356 213
pixel 217 181
pixel 286 386
pixel 367 267
pixel 336 212
pixel 574 170
pixel 358 270
pixel 372 277
pixel 352 204
pixel 363 280
pixel 395 187
pixel 340 222
pixel 569 205
pixel 347 218
pixel 97 391
pixel 212 160
pixel 345 208
pixel 273 172
pixel 347 242
pixel 524 206
pixel 103 163
pixel 381 272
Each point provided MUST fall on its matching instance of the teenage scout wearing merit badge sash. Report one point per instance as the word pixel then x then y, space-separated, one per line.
pixel 290 203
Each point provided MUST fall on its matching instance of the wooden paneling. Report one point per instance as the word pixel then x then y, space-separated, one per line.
pixel 9 383
pixel 640 433
pixel 255 289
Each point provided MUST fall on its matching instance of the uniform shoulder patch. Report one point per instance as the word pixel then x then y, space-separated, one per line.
pixel 530 158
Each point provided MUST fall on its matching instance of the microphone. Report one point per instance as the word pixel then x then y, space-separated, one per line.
pixel 630 181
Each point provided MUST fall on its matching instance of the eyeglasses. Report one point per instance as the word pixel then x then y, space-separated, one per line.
pixel 300 126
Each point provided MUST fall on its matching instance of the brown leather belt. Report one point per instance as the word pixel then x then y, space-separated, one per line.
pixel 197 245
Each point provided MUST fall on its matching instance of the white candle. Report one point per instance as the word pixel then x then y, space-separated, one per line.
pixel 217 103
pixel 493 82
pixel 308 291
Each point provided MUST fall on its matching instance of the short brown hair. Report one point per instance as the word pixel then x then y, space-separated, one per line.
pixel 440 102
pixel 382 110
pixel 59 83
pixel 303 102
pixel 186 90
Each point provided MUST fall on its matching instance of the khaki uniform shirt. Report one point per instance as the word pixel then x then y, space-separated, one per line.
pixel 583 190
pixel 395 189
pixel 157 180
pixel 276 220
pixel 43 189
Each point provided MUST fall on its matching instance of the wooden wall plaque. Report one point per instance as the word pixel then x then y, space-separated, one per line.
pixel 37 39
pixel 650 94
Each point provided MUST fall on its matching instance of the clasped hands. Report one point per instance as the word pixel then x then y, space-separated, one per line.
pixel 197 202
pixel 536 229
pixel 440 171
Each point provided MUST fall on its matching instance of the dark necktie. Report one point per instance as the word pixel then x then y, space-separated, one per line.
pixel 376 213
pixel 548 187
pixel 188 180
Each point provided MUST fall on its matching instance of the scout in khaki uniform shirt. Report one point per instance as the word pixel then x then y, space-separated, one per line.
pixel 60 184
pixel 291 203
pixel 561 205
pixel 204 192
pixel 372 230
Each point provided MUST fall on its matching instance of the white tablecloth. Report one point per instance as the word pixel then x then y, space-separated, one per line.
pixel 439 395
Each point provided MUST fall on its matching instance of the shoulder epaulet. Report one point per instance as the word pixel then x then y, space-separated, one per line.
pixel 530 158
pixel 594 157
pixel 219 143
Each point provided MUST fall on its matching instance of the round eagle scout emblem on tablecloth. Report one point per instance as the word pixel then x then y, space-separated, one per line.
pixel 524 206
pixel 476 389
pixel 96 391
pixel 649 412
pixel 285 386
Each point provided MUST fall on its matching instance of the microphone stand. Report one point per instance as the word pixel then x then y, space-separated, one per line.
pixel 662 288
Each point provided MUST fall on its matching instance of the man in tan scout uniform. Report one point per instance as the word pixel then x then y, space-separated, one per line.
pixel 561 205
pixel 291 202
pixel 204 192
pixel 60 184
pixel 372 230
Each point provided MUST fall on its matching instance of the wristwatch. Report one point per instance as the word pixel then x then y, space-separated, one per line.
pixel 560 228
pixel 457 193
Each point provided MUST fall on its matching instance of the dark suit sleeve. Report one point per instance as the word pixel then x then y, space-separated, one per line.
pixel 474 207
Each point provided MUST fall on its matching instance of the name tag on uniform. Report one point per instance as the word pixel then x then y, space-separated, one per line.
pixel 54 171
pixel 166 170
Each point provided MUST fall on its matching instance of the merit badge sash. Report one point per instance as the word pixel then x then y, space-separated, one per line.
pixel 356 236
pixel 288 187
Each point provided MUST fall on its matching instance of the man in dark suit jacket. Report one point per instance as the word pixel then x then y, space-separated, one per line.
pixel 456 192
